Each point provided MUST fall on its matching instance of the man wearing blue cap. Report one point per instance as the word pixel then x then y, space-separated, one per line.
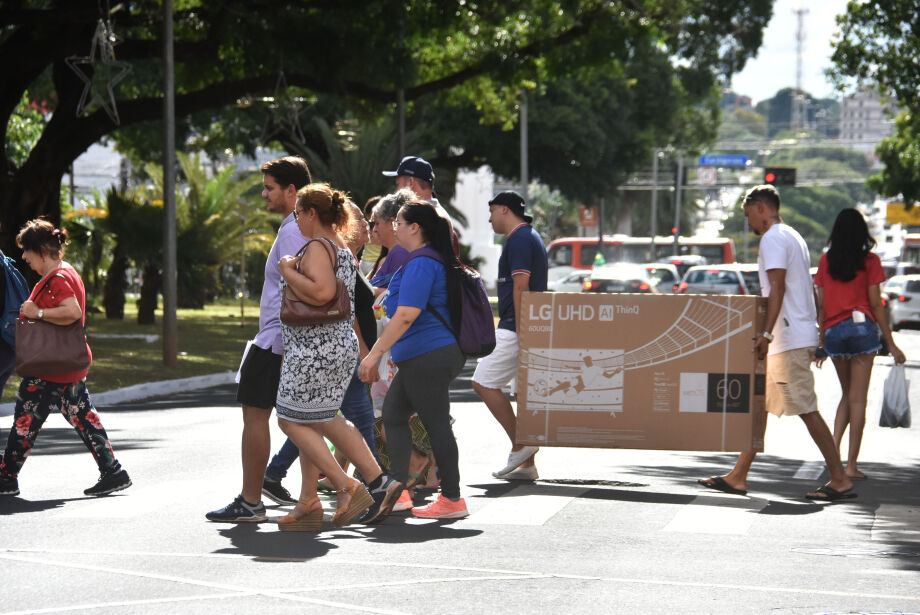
pixel 521 267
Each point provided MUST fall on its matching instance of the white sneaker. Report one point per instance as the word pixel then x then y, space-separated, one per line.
pixel 516 458
pixel 529 473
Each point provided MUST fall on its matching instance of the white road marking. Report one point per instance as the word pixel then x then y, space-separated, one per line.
pixel 809 470
pixel 701 516
pixel 527 504
pixel 510 575
pixel 237 591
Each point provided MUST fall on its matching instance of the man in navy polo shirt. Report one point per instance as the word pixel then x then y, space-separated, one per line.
pixel 521 267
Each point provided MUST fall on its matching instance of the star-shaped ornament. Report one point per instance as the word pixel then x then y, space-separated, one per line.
pixel 100 73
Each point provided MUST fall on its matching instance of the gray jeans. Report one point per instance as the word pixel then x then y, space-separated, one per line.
pixel 421 386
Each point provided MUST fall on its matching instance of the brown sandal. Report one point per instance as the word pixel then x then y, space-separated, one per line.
pixel 360 501
pixel 309 521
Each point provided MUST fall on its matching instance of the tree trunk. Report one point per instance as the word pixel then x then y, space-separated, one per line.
pixel 150 288
pixel 115 284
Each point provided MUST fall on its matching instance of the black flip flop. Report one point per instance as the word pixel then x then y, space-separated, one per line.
pixel 718 483
pixel 831 494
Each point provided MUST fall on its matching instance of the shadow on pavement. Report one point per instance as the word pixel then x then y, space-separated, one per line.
pixel 268 544
pixel 885 507
pixel 223 395
pixel 13 505
pixel 394 530
pixel 65 441
pixel 492 490
pixel 264 542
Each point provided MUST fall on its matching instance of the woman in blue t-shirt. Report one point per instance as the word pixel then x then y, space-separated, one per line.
pixel 425 349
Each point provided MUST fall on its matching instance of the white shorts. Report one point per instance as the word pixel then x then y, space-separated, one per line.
pixel 500 367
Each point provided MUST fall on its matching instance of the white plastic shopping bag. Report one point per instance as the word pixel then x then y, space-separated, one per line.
pixel 895 399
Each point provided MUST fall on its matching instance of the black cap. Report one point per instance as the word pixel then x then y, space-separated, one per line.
pixel 413 166
pixel 513 201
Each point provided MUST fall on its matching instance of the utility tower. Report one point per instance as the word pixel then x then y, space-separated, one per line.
pixel 798 119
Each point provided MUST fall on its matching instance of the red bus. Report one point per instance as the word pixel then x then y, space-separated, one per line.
pixel 579 252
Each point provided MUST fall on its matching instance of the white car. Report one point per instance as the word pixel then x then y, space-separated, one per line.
pixel 901 296
pixel 570 283
pixel 733 279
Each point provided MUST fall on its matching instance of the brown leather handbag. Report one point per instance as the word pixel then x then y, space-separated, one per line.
pixel 45 349
pixel 299 313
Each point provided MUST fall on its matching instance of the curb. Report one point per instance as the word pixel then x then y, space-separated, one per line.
pixel 148 389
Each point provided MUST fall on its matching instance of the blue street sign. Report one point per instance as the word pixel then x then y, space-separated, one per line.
pixel 720 160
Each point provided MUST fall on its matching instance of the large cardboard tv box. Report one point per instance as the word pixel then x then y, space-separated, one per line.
pixel 673 372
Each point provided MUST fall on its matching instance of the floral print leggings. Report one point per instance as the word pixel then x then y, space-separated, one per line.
pixel 35 400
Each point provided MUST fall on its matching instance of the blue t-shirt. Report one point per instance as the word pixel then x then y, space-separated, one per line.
pixel 420 282
pixel 523 253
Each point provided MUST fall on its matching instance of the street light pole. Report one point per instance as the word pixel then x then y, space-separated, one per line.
pixel 653 256
pixel 524 163
pixel 678 194
pixel 243 271
pixel 170 322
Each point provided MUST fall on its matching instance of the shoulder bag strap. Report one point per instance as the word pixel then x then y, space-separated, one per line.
pixel 333 255
pixel 303 251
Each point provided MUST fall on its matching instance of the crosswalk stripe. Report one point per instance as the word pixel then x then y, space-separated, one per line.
pixel 809 470
pixel 527 504
pixel 703 516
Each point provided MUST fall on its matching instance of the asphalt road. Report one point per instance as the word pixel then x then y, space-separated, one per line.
pixel 603 531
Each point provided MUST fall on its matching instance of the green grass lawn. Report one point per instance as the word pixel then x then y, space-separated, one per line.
pixel 210 341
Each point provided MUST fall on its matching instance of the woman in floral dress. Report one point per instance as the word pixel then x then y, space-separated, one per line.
pixel 318 364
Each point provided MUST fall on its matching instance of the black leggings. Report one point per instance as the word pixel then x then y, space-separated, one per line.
pixel 421 386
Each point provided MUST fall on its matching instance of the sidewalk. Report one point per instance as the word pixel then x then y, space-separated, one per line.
pixel 147 390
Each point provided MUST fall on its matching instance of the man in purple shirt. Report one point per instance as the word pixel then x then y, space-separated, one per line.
pixel 261 368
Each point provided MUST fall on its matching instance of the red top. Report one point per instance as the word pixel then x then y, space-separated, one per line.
pixel 62 283
pixel 841 298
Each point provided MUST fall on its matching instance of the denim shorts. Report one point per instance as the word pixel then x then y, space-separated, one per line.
pixel 849 339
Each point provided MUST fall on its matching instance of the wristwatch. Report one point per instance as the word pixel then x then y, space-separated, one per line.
pixel 41 314
pixel 766 335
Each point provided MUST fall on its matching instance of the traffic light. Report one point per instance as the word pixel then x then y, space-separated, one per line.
pixel 779 176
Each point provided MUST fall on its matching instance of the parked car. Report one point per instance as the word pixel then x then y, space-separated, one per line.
pixel 571 283
pixel 734 279
pixel 683 263
pixel 665 276
pixel 901 297
pixel 620 278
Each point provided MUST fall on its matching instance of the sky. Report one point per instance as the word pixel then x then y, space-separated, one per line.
pixel 774 67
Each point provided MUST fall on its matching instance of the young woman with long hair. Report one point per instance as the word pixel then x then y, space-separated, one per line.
pixel 850 313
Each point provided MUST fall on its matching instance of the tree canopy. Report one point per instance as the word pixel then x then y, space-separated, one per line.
pixel 877 45
pixel 234 53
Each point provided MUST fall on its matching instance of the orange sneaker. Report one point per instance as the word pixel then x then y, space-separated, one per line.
pixel 404 502
pixel 442 508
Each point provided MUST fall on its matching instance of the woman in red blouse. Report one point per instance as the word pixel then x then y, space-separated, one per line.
pixel 850 312
pixel 58 298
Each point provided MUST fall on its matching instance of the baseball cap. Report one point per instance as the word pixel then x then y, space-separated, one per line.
pixel 413 166
pixel 513 201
